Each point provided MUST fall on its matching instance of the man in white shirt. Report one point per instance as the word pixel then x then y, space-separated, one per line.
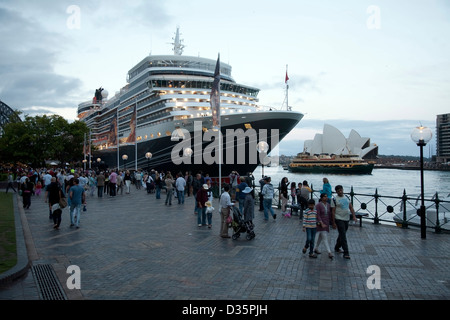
pixel 225 205
pixel 47 180
pixel 180 184
pixel 82 180
pixel 138 177
pixel 341 208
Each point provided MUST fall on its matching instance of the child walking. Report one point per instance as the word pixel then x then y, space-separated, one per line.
pixel 323 209
pixel 38 190
pixel 310 226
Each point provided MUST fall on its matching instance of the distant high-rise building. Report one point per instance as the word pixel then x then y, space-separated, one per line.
pixel 443 138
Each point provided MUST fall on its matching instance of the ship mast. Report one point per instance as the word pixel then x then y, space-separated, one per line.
pixel 286 98
pixel 177 44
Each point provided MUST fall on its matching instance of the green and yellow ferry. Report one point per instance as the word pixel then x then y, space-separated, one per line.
pixel 334 164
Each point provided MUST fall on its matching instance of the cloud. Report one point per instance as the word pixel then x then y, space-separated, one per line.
pixel 28 56
pixel 39 55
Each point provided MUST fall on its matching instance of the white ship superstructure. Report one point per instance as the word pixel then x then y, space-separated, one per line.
pixel 166 93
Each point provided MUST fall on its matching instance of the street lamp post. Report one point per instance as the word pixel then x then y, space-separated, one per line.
pixel 421 136
pixel 148 155
pixel 124 158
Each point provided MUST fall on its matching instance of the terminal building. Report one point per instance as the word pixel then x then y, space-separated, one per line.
pixel 443 138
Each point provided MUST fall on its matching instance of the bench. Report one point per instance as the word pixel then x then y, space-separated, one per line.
pixel 359 216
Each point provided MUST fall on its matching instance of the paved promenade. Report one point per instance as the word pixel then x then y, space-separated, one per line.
pixel 134 247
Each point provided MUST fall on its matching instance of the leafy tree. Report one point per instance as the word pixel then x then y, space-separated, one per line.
pixel 40 138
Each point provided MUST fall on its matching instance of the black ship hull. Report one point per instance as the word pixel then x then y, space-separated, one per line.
pixel 271 127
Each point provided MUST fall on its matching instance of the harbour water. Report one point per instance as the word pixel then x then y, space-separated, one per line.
pixel 386 183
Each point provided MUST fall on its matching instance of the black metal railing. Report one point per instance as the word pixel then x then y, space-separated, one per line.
pixel 400 210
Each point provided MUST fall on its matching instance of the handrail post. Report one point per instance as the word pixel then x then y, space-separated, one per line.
pixel 279 195
pixel 404 199
pixel 352 194
pixel 438 224
pixel 376 220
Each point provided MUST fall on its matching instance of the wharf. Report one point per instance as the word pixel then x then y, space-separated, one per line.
pixel 134 247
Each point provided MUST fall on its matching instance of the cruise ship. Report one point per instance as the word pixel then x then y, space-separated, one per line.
pixel 162 119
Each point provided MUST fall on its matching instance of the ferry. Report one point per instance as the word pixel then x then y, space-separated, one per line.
pixel 162 119
pixel 330 164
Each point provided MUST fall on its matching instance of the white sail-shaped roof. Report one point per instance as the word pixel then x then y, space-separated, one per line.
pixel 356 142
pixel 317 144
pixel 307 146
pixel 332 141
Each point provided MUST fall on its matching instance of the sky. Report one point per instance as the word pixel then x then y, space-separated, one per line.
pixel 380 67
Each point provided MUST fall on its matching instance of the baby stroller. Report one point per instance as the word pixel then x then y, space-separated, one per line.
pixel 240 226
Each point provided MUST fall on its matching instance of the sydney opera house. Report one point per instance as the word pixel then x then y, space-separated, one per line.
pixel 333 142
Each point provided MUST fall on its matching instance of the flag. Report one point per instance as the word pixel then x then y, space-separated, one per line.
pixel 215 95
pixel 112 136
pixel 287 78
pixel 132 136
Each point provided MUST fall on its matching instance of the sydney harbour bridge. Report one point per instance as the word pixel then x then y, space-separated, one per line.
pixel 7 115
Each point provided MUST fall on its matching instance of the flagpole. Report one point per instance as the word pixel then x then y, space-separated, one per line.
pixel 84 151
pixel 90 151
pixel 118 141
pixel 135 137
pixel 215 108
pixel 220 136
pixel 220 155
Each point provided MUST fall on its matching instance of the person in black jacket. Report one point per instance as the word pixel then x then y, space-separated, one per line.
pixel 27 189
pixel 54 195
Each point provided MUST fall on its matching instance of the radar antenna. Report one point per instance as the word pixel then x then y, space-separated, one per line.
pixel 178 46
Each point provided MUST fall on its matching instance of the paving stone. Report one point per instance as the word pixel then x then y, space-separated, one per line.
pixel 134 247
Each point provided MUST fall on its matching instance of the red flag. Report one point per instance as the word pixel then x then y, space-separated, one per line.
pixel 112 135
pixel 287 78
pixel 215 95
pixel 132 136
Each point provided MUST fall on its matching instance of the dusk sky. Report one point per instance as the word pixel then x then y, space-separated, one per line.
pixel 378 67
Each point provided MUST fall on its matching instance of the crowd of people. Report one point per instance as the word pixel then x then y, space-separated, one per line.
pixel 335 211
pixel 317 218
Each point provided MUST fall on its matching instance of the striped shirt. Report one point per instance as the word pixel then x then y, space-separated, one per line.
pixel 310 219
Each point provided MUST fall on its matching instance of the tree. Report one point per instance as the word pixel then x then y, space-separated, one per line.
pixel 40 138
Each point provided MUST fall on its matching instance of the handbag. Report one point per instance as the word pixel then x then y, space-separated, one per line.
pixel 62 202
pixel 229 219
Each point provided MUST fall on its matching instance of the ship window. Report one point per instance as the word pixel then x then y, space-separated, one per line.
pixel 159 134
pixel 248 126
